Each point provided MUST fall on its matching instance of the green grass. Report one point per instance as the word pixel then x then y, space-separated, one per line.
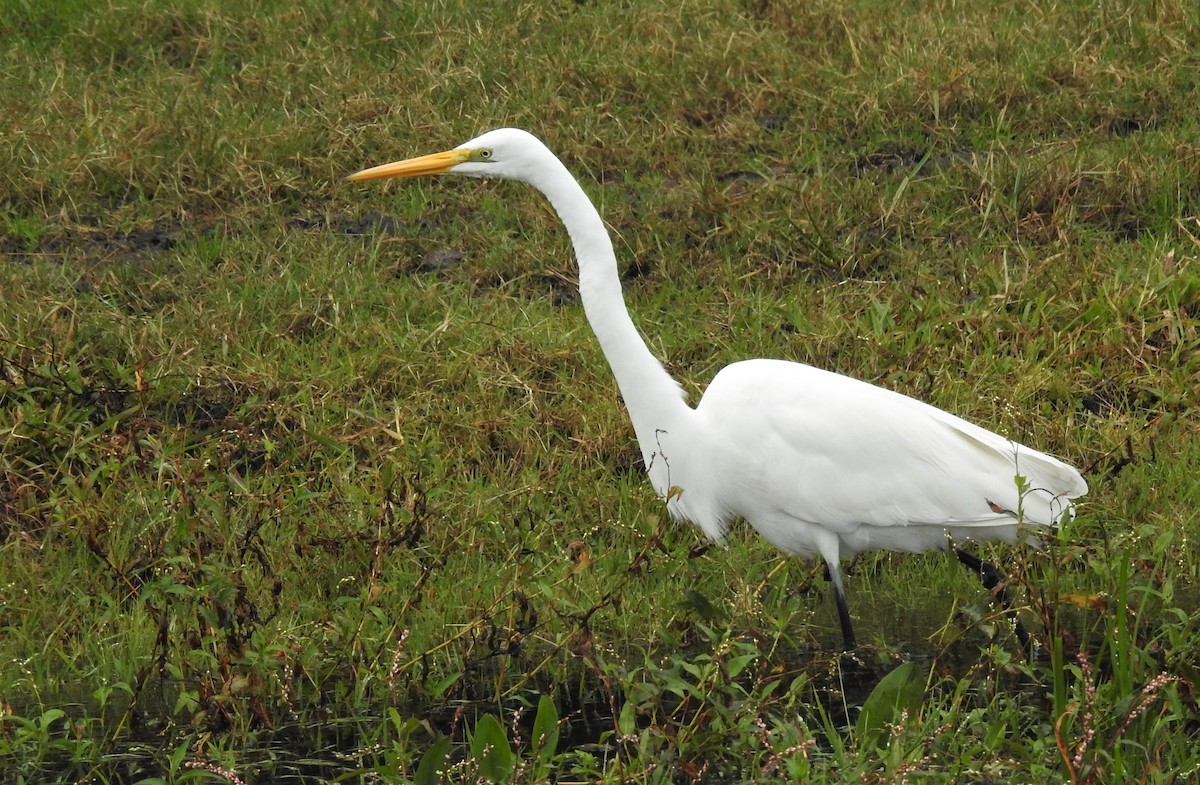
pixel 298 477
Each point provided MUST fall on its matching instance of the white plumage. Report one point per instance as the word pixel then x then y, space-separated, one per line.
pixel 817 462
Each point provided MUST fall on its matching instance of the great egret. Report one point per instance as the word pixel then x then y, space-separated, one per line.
pixel 818 463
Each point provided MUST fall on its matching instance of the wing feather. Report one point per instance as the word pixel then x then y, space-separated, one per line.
pixel 801 444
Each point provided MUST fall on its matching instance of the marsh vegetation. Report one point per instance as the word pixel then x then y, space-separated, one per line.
pixel 303 481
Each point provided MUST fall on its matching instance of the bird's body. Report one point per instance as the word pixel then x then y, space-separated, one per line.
pixel 817 462
pixel 821 456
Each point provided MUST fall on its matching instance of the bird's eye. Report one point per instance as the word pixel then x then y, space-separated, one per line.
pixel 484 154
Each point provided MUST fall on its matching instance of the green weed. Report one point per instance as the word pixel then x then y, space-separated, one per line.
pixel 304 480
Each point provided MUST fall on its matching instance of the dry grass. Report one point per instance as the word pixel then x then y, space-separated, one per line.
pixel 258 426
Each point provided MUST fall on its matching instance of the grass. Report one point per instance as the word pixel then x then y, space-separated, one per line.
pixel 301 480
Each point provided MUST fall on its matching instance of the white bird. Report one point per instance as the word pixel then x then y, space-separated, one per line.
pixel 817 462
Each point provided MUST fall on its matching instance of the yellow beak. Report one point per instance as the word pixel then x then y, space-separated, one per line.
pixel 436 163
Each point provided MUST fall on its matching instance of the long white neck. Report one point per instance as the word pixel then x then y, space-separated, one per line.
pixel 655 401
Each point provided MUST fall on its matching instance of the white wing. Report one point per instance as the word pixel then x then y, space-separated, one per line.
pixel 792 448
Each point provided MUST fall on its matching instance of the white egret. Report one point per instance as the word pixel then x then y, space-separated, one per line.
pixel 818 463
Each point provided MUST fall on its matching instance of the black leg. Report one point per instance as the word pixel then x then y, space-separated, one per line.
pixel 994 581
pixel 839 597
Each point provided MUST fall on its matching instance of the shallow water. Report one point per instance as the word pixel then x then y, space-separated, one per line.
pixel 322 750
pixel 326 747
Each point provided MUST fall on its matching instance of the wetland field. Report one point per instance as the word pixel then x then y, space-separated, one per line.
pixel 308 481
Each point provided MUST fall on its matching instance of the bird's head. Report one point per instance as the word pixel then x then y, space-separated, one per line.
pixel 506 153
